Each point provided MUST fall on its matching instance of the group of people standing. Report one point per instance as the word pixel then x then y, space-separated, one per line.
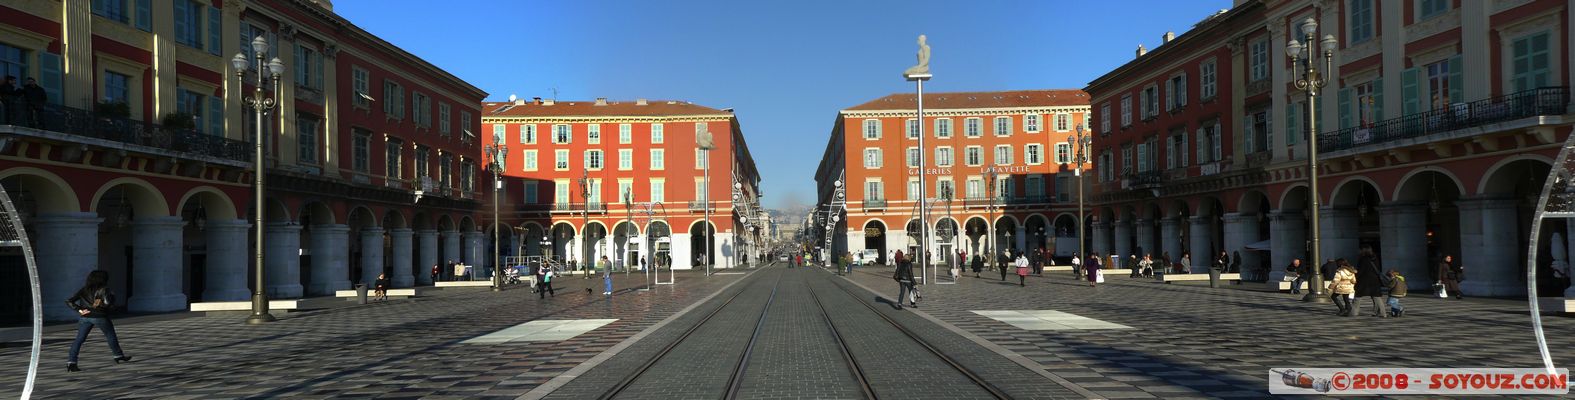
pixel 21 105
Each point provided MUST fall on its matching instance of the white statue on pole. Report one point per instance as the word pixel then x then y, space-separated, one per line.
pixel 923 68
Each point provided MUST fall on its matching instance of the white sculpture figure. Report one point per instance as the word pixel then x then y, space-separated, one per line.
pixel 923 68
pixel 1561 263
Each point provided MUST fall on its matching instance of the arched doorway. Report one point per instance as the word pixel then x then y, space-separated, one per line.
pixel 562 235
pixel 625 248
pixel 215 248
pixel 659 238
pixel 1038 231
pixel 140 245
pixel 1006 235
pixel 974 230
pixel 1423 226
pixel 699 233
pixel 875 239
pixel 367 246
pixel 1352 222
pixel 51 214
pixel 1506 205
pixel 946 233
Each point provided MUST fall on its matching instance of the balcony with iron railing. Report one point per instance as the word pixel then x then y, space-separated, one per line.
pixel 874 204
pixel 697 205
pixel 1142 180
pixel 105 129
pixel 1421 127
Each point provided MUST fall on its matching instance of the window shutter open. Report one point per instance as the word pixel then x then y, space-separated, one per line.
pixel 180 21
pixel 216 116
pixel 1378 100
pixel 1201 149
pixel 1410 95
pixel 144 15
pixel 1345 108
pixel 49 76
pixel 1219 142
pixel 1457 86
pixel 215 31
pixel 1291 129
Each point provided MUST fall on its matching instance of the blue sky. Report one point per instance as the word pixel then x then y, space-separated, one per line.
pixel 786 67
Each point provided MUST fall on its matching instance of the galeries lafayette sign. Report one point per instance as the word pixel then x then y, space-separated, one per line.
pixel 1008 169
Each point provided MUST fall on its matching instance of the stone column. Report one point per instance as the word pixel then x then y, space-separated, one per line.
pixel 1123 240
pixel 401 264
pixel 66 249
pixel 330 261
pixel 1101 240
pixel 283 243
pixel 1202 244
pixel 471 254
pixel 428 240
pixel 1492 267
pixel 228 259
pixel 1402 230
pixel 155 253
pixel 1338 234
pixel 371 254
pixel 450 248
pixel 1240 231
pixel 1288 239
pixel 1170 234
pixel 1145 239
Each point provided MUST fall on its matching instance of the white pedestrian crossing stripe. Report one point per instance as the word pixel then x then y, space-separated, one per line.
pixel 1047 320
pixel 542 331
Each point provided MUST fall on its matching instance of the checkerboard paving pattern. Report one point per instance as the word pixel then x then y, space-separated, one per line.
pixel 1047 320
pixel 541 331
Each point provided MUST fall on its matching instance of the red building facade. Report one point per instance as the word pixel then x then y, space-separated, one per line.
pixel 626 180
pixel 140 164
pixel 1438 122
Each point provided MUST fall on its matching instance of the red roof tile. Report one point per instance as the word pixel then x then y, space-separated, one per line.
pixel 653 108
pixel 1003 99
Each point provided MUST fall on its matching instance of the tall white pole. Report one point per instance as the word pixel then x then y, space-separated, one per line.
pixel 924 211
pixel 706 196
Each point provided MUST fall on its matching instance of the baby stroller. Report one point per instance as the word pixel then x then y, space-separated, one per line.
pixel 1148 270
pixel 511 275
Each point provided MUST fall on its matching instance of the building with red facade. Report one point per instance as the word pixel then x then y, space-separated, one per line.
pixel 140 164
pixel 1437 126
pixel 995 161
pixel 626 180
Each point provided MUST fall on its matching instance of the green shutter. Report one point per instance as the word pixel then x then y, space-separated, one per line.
pixel 1291 128
pixel 215 31
pixel 1378 99
pixel 1410 93
pixel 216 116
pixel 49 76
pixel 144 15
pixel 180 21
pixel 1457 86
pixel 1345 108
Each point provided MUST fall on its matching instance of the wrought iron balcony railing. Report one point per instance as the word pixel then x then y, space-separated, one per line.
pixel 874 203
pixel 79 122
pixel 1530 103
pixel 697 205
pixel 1142 180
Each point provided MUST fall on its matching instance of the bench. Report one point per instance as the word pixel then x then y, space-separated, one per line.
pixel 1285 286
pixel 441 284
pixel 404 292
pixel 244 305
pixel 1203 277
pixel 1062 268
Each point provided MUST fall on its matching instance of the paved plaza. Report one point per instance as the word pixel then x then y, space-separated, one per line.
pixel 780 333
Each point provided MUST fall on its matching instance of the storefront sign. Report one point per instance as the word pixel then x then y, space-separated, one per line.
pixel 1005 169
pixel 872 232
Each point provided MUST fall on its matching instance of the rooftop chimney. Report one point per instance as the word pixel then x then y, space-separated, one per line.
pixel 536 100
pixel 639 102
pixel 601 101
pixel 519 102
pixel 547 102
pixel 1141 51
pixel 1169 36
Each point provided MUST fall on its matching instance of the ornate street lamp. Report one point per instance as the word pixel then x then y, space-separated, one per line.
pixel 499 151
pixel 260 106
pixel 1079 144
pixel 1304 57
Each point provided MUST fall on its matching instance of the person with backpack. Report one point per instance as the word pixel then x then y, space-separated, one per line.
pixel 904 277
pixel 93 303
pixel 1397 290
pixel 544 275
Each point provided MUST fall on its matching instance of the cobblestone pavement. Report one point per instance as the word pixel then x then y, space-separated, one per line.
pixel 796 354
pixel 1191 341
pixel 396 349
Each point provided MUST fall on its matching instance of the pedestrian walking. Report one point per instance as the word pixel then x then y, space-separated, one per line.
pixel 1300 275
pixel 1092 268
pixel 380 287
pixel 1144 267
pixel 1449 277
pixel 1077 266
pixel 904 277
pixel 1038 262
pixel 603 265
pixel 1370 281
pixel 1397 291
pixel 1342 287
pixel 544 276
pixel 93 303
pixel 435 272
pixel 1022 270
pixel 1003 262
pixel 1186 264
pixel 1222 263
pixel 978 265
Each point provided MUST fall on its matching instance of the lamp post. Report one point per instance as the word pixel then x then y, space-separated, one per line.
pixel 499 151
pixel 585 221
pixel 260 106
pixel 989 194
pixel 1304 56
pixel 1079 144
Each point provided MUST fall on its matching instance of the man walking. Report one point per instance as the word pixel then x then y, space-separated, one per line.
pixel 904 278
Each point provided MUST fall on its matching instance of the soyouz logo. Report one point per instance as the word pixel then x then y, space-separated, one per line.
pixel 1342 381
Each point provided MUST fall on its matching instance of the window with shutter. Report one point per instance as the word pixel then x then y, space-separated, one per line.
pixel 50 76
pixel 1530 62
pixel 144 15
pixel 1410 93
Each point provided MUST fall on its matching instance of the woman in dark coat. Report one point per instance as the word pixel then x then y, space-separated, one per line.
pixel 978 265
pixel 1091 267
pixel 1370 281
